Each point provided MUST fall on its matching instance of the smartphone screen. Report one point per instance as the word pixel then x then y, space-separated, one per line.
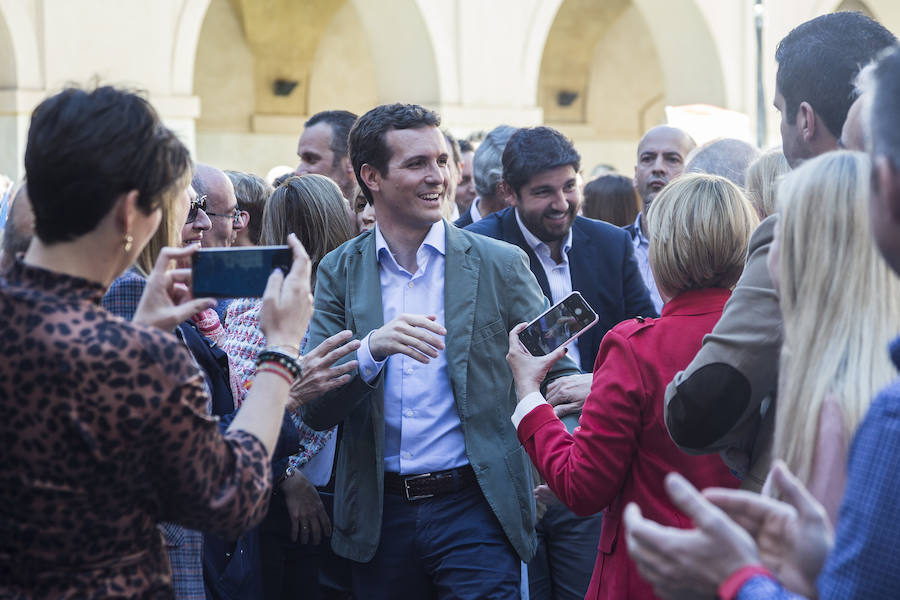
pixel 236 272
pixel 561 324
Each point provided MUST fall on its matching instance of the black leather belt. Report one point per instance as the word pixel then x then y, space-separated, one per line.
pixel 428 485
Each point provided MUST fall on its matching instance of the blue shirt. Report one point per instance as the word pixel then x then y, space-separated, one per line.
pixel 862 562
pixel 642 256
pixel 422 430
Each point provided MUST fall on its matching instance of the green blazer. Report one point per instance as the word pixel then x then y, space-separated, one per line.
pixel 488 289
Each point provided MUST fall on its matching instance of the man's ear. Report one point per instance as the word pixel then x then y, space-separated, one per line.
pixel 505 191
pixel 371 177
pixel 886 187
pixel 807 121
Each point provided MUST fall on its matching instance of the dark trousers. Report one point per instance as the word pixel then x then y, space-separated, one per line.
pixel 335 573
pixel 567 550
pixel 449 546
pixel 290 570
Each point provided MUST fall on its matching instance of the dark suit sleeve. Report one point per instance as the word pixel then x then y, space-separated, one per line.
pixel 634 291
pixel 328 319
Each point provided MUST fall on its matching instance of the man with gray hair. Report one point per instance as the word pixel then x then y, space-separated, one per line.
pixel 726 157
pixel 487 170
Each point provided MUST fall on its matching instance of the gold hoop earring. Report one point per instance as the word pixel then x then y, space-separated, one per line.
pixel 129 240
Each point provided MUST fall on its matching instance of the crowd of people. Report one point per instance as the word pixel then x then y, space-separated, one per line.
pixel 372 426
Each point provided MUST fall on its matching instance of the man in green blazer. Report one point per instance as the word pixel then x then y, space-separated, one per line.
pixel 433 493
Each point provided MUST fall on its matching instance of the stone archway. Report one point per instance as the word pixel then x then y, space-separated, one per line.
pixel 21 82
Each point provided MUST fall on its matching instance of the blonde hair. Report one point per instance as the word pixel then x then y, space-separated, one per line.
pixel 762 180
pixel 700 226
pixel 169 232
pixel 839 299
pixel 312 207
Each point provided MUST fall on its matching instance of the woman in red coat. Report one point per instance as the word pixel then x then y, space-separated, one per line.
pixel 699 229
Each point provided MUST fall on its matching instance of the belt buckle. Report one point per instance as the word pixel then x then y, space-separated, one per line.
pixel 406 481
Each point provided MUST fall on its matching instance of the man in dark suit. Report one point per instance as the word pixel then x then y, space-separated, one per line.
pixel 567 253
pixel 433 492
pixel 487 171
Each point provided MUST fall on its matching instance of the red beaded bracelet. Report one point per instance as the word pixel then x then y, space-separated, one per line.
pixel 277 370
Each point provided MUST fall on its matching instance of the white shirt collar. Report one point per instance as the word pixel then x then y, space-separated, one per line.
pixel 435 239
pixel 474 212
pixel 535 243
pixel 637 228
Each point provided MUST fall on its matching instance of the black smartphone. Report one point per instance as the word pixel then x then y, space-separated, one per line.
pixel 236 272
pixel 562 323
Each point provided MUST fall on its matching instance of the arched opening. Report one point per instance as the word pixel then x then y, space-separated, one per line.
pixel 342 75
pixel 262 68
pixel 12 124
pixel 8 79
pixel 610 68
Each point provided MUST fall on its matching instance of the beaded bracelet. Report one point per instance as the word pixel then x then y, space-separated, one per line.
pixel 278 357
pixel 276 370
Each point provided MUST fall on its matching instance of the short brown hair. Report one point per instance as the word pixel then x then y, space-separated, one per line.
pixel 700 226
pixel 611 198
pixel 313 208
pixel 251 192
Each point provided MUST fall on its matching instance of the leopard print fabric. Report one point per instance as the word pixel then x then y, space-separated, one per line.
pixel 104 433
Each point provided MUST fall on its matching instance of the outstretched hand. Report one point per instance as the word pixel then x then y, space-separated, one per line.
pixel 167 299
pixel 793 537
pixel 688 563
pixel 319 375
pixel 528 371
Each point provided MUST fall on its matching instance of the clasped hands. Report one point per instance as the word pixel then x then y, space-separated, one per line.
pixel 733 529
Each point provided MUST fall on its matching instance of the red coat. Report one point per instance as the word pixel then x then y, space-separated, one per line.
pixel 622 452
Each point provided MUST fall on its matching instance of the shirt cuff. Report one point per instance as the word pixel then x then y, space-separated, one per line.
pixel 732 586
pixel 369 368
pixel 525 406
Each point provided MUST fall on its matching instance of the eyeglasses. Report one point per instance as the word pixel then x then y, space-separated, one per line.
pixel 234 215
pixel 196 206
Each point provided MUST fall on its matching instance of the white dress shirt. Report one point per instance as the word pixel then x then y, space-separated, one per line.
pixel 558 274
pixel 642 255
pixel 422 430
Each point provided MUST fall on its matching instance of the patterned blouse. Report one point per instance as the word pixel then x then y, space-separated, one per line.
pixel 243 341
pixel 105 433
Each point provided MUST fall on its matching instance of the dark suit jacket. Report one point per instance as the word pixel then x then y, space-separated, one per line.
pixel 603 269
pixel 464 219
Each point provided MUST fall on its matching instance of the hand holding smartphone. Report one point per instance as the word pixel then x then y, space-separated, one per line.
pixel 558 326
pixel 236 272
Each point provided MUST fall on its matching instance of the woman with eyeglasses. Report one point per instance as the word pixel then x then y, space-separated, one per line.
pixel 105 422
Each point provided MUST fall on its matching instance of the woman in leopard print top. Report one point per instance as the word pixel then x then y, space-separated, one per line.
pixel 105 429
